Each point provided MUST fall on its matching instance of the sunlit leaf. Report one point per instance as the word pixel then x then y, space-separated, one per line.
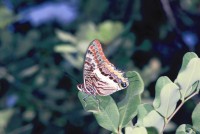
pixel 128 106
pixel 188 76
pixel 186 59
pixel 167 96
pixel 135 130
pixel 153 119
pixel 148 117
pixel 195 88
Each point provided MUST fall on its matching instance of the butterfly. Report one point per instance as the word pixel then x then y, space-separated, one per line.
pixel 99 75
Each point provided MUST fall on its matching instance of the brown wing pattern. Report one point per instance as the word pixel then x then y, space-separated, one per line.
pixel 100 76
pixel 93 58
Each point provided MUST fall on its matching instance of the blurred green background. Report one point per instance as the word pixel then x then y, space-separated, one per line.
pixel 42 48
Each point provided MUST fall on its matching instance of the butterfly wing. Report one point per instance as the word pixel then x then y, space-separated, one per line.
pixel 100 76
pixel 88 70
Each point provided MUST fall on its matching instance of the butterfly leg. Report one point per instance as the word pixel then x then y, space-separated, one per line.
pixel 98 101
pixel 85 97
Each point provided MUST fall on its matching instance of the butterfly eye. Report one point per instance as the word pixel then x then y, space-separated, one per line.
pixel 123 84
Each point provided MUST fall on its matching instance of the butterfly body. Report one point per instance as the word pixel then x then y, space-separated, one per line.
pixel 100 76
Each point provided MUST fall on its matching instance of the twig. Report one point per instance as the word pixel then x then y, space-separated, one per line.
pixel 183 101
pixel 169 13
pixel 168 120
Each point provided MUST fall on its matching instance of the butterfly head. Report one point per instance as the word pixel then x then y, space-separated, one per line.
pixel 123 83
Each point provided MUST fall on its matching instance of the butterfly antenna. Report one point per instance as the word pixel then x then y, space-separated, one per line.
pixel 71 77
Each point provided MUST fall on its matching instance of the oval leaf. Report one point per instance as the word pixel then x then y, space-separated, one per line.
pixel 167 96
pixel 128 106
pixel 106 112
pixel 135 78
pixel 196 117
pixel 188 75
pixel 186 59
pixel 161 82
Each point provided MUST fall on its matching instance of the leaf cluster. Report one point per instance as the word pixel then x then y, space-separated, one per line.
pixel 151 118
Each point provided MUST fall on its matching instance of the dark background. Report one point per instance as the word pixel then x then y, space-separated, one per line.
pixel 42 47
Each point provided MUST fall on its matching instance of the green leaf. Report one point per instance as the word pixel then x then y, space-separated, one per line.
pixel 91 104
pixel 5 116
pixel 195 88
pixel 128 106
pixel 135 130
pixel 107 114
pixel 129 110
pixel 91 33
pixel 6 17
pixel 129 128
pixel 143 110
pixel 109 30
pixel 64 36
pixel 196 117
pixel 148 117
pixel 186 59
pixel 188 75
pixel 146 45
pixel 167 96
pixel 154 119
pixel 185 129
pixel 65 48
pixel 152 130
pixel 133 78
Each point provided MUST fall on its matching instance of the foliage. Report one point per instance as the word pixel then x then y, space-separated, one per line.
pixel 105 32
pixel 42 52
pixel 6 17
pixel 164 107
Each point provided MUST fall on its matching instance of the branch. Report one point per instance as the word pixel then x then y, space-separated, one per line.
pixel 168 11
pixel 183 101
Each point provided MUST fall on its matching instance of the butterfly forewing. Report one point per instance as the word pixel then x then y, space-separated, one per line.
pixel 99 75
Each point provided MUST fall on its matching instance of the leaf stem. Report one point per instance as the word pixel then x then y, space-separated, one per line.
pixel 119 130
pixel 167 121
pixel 183 101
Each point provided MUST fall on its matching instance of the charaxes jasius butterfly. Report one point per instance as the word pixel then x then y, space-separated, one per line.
pixel 99 75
